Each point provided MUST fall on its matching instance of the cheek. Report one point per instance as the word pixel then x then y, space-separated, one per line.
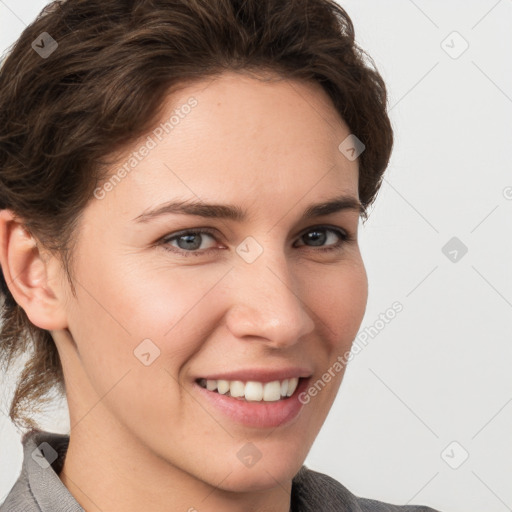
pixel 120 308
pixel 135 332
pixel 339 306
pixel 339 300
pixel 141 303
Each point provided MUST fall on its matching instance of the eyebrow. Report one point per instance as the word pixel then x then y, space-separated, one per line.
pixel 236 213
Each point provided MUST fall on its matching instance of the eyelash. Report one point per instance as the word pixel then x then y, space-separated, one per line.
pixel 343 235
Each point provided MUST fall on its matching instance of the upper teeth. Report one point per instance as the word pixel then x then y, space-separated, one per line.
pixel 252 390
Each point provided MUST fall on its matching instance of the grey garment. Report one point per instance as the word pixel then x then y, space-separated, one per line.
pixel 316 492
pixel 39 488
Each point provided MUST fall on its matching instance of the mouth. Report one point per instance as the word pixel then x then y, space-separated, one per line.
pixel 255 397
pixel 252 403
pixel 253 391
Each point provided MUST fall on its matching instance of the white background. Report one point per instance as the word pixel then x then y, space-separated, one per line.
pixel 440 371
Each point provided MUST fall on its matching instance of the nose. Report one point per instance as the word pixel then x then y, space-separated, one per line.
pixel 267 303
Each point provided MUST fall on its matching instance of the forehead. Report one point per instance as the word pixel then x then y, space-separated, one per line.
pixel 242 139
pixel 259 111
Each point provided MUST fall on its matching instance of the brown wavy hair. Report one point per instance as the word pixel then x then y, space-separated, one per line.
pixel 63 116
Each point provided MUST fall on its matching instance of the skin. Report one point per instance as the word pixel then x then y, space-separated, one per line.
pixel 141 437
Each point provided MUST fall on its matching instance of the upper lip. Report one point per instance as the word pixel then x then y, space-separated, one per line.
pixel 260 374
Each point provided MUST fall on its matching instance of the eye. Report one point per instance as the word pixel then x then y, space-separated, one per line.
pixel 188 242
pixel 319 235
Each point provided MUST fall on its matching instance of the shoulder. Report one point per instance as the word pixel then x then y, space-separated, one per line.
pixel 19 497
pixel 313 491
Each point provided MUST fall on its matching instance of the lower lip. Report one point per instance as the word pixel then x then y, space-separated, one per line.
pixel 257 414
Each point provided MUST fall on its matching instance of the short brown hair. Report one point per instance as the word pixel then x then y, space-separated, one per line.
pixel 62 116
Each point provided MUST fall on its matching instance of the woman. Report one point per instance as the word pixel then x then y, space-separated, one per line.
pixel 181 187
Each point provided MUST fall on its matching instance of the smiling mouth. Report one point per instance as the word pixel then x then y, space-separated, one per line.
pixel 252 391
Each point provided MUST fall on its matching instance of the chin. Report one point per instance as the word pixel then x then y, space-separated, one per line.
pixel 276 470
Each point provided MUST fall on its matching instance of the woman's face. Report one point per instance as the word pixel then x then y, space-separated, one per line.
pixel 273 293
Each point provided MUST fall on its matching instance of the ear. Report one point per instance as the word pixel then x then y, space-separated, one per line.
pixel 31 274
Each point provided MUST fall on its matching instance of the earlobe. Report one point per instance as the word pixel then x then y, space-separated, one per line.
pixel 28 274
